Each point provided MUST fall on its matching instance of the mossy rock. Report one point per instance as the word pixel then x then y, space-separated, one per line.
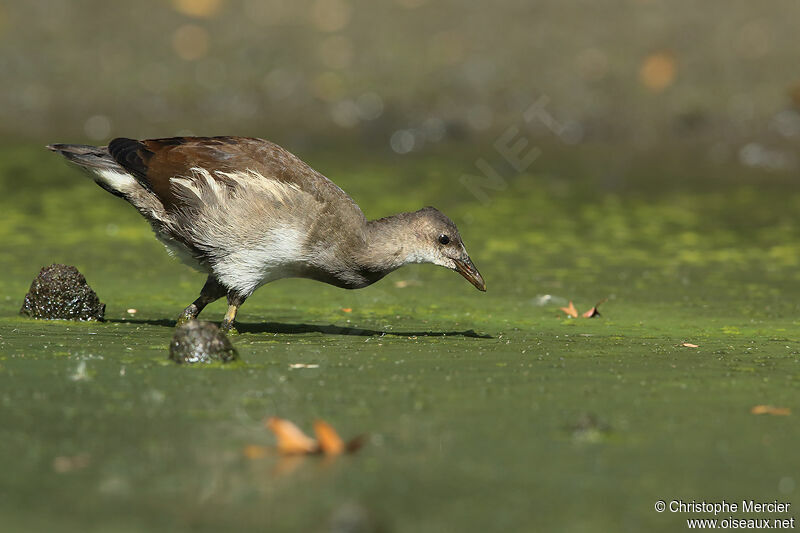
pixel 60 292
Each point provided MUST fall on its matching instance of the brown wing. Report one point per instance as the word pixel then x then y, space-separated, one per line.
pixel 154 162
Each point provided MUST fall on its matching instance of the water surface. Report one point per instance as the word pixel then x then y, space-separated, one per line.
pixel 485 411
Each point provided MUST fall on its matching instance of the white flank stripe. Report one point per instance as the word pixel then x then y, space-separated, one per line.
pixel 249 178
pixel 187 184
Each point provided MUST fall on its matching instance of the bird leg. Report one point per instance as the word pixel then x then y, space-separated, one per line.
pixel 235 300
pixel 210 292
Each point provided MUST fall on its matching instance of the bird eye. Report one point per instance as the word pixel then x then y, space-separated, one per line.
pixel 444 239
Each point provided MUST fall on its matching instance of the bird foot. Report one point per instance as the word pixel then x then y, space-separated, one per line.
pixel 229 330
pixel 188 314
pixel 183 319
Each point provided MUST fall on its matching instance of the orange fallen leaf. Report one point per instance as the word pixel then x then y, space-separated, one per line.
pixel 254 451
pixel 291 439
pixel 330 443
pixel 770 410
pixel 570 310
pixel 689 345
pixel 593 312
pixel 347 309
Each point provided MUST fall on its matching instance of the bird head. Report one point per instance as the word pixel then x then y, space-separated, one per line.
pixel 438 241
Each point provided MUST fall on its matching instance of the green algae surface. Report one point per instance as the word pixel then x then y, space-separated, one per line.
pixel 484 412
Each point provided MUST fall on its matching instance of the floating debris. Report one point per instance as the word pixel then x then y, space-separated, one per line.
pixel 403 283
pixel 548 299
pixel 770 410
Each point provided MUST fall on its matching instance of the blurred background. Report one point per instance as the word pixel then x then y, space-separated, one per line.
pixel 407 75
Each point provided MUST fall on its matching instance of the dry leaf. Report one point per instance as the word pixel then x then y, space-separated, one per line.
pixel 689 345
pixel 291 439
pixel 570 310
pixel 347 309
pixel 593 312
pixel 329 441
pixel 770 410
pixel 254 451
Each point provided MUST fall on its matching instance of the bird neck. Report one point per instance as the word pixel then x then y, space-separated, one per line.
pixel 388 244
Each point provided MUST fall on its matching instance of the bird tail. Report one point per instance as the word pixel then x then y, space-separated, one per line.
pixel 106 172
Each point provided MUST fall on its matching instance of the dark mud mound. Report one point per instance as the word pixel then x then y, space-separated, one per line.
pixel 201 342
pixel 60 292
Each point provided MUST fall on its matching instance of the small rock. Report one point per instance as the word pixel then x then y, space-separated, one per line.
pixel 201 342
pixel 588 428
pixel 354 518
pixel 61 292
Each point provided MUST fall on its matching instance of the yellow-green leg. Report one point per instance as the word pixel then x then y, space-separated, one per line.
pixel 234 302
